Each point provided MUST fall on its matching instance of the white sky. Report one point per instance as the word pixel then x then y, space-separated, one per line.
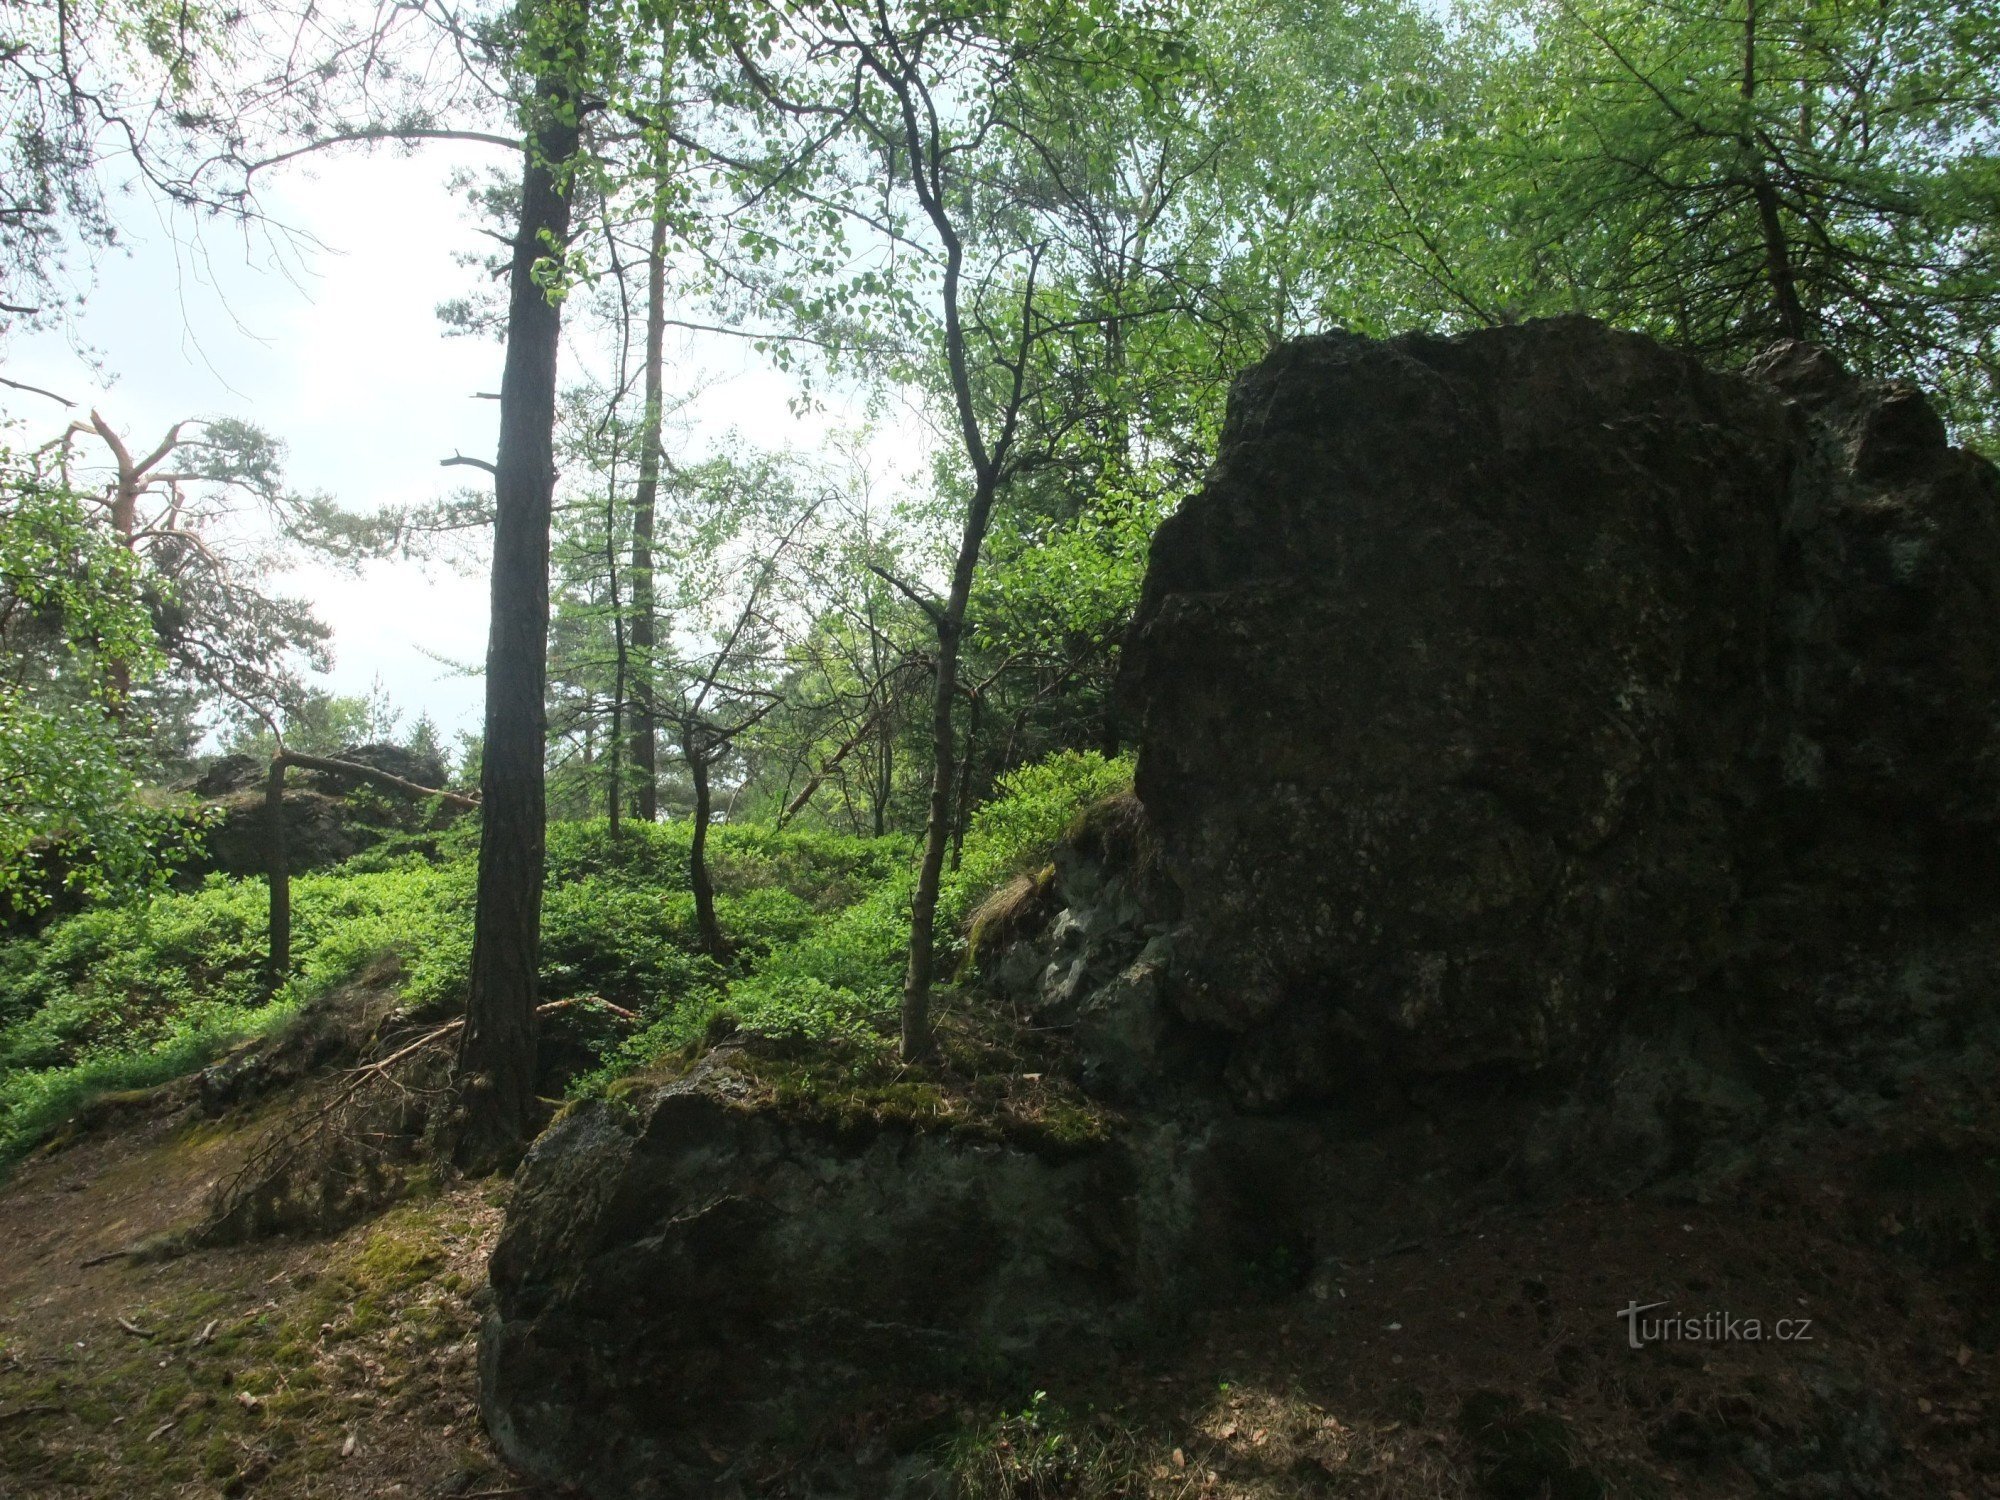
pixel 338 352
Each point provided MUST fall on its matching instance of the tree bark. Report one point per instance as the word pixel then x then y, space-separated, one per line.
pixel 706 925
pixel 645 734
pixel 964 810
pixel 496 1059
pixel 918 1042
pixel 614 741
pixel 278 875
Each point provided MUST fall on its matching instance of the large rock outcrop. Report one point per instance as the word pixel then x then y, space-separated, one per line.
pixel 1496 689
pixel 329 817
pixel 1562 768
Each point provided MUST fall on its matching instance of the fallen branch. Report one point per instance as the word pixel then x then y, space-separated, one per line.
pixel 369 773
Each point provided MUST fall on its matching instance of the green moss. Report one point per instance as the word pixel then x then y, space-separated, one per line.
pixel 982 1087
pixel 396 1256
pixel 283 1357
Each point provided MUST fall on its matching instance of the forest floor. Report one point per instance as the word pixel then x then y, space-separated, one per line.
pixel 331 1367
pixel 1493 1363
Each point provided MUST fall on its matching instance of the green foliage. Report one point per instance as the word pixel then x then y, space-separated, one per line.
pixel 324 723
pixel 121 996
pixel 1022 825
pixel 75 634
pixel 840 975
pixel 1721 176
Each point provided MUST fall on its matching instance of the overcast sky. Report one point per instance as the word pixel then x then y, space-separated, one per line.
pixel 339 353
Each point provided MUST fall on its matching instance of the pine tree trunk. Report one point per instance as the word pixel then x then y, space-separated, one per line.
pixel 496 1061
pixel 645 736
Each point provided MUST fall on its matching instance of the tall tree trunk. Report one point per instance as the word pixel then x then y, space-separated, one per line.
pixel 988 461
pixel 917 1039
pixel 884 785
pixel 706 925
pixel 645 735
pixel 278 874
pixel 496 1059
pixel 1778 269
pixel 614 781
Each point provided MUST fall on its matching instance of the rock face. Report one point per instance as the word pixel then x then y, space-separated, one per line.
pixel 328 817
pixel 1498 689
pixel 680 1282
pixel 1562 769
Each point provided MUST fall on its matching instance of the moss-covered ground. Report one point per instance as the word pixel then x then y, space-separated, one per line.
pixel 297 1368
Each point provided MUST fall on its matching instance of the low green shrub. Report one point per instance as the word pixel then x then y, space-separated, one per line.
pixel 818 925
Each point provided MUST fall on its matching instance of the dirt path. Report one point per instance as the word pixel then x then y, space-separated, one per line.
pixel 339 1367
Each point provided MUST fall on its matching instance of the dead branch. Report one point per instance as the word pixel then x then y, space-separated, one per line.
pixel 369 773
pixel 339 1129
pixel 22 385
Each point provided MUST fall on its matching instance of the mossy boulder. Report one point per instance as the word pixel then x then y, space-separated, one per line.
pixel 713 1266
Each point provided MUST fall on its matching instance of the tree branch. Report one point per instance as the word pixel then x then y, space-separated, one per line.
pixel 369 773
pixel 923 602
pixel 22 385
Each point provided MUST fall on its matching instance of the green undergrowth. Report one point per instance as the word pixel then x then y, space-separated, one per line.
pixel 129 997
pixel 839 979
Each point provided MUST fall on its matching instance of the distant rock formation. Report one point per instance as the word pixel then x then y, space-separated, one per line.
pixel 1562 769
pixel 328 817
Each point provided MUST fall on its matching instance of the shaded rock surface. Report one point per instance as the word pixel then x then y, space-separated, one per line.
pixel 694 1276
pixel 1496 690
pixel 1563 770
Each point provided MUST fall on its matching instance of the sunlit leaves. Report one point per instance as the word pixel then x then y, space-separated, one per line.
pixel 77 631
